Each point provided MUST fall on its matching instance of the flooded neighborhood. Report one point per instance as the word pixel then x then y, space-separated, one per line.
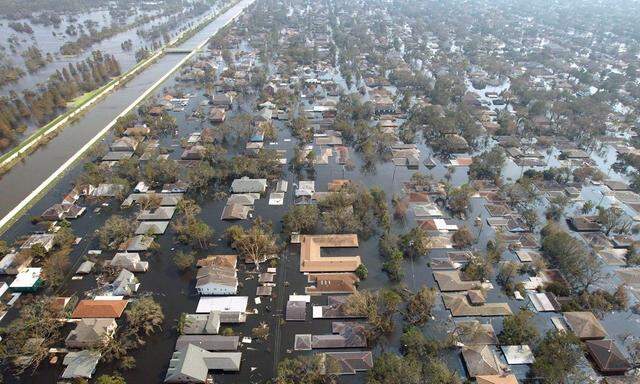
pixel 301 192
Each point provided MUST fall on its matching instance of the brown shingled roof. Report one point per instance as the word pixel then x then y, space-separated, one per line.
pixel 607 356
pixel 585 325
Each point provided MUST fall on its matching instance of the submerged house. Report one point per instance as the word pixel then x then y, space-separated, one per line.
pixel 126 284
pixel 311 259
pixel 80 365
pixel 62 211
pixel 585 325
pixel 44 239
pixel 29 280
pixel 192 364
pixel 607 357
pixel 247 185
pixel 213 280
pixel 91 333
pixel 112 309
pixel 14 263
pixel 130 261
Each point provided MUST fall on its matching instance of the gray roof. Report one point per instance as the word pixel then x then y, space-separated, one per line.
pixel 216 275
pixel 117 155
pixel 85 267
pixel 13 263
pixel 130 261
pixel 192 364
pixel 108 190
pixel 161 213
pixel 152 228
pixel 166 199
pixel 197 324
pixel 125 284
pixel 235 212
pixel 209 342
pixel 243 198
pixel 80 364
pixel 247 185
pixel 89 332
pixel 348 363
pixel 137 243
pixel 264 290
pixel 296 311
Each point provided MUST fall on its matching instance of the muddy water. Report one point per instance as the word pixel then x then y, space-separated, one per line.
pixel 175 291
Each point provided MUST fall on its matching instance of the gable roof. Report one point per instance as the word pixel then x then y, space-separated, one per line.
pixel 209 342
pixel 192 364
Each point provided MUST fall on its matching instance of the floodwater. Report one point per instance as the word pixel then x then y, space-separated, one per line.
pixel 175 291
pixel 47 42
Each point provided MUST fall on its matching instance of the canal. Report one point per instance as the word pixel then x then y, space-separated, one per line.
pixel 26 176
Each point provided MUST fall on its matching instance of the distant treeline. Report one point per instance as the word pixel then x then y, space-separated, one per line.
pixel 45 103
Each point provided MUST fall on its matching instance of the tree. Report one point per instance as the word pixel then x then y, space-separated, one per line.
pixel 188 207
pixel 115 231
pixel 479 268
pixel 191 230
pixel 488 165
pixel 414 344
pixel 393 265
pixel 362 272
pixel 200 175
pixel 530 217
pixel 27 339
pixel 390 368
pixel 303 370
pixel 110 379
pixel 507 273
pixel 255 244
pixel 420 305
pixel 582 269
pixel 56 267
pixel 144 317
pixel 463 237
pixel 587 207
pixel 459 198
pixel 415 243
pixel 340 221
pixel 301 219
pixel 184 260
pixel 557 206
pixel 518 329
pixel 557 357
pixel 611 218
pixel 378 306
pixel 261 331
